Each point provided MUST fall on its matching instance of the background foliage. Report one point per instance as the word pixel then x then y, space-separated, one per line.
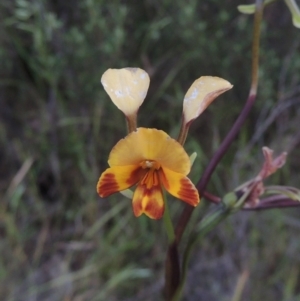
pixel 59 240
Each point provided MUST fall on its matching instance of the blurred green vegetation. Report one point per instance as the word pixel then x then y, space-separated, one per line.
pixel 59 240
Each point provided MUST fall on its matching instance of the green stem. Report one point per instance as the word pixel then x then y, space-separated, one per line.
pixel 255 46
pixel 205 227
pixel 201 211
pixel 230 204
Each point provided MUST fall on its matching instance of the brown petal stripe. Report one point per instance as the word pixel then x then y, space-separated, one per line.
pixel 107 185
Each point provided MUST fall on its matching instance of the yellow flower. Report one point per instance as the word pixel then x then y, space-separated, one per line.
pixel 152 160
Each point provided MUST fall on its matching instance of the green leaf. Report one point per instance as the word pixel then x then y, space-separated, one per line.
pixel 127 193
pixel 294 9
pixel 193 156
pixel 290 192
pixel 250 8
pixel 246 9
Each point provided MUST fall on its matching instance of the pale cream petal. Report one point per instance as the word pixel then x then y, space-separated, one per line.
pixel 126 87
pixel 202 92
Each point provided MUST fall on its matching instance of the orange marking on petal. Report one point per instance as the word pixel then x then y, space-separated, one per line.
pixel 148 201
pixel 136 175
pixel 188 192
pixel 107 185
pixel 118 178
pixel 150 179
pixel 179 186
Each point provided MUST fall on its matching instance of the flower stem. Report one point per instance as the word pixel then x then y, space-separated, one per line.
pixel 168 222
pixel 172 262
pixel 186 214
pixel 183 131
pixel 172 269
pixel 131 122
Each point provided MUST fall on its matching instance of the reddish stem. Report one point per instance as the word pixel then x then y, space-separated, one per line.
pixel 201 185
pixel 172 256
pixel 211 197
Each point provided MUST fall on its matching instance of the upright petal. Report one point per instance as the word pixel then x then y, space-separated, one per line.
pixel 201 93
pixel 150 144
pixel 118 178
pixel 126 87
pixel 179 186
pixel 148 201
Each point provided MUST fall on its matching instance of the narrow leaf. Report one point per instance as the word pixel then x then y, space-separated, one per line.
pixel 250 8
pixel 294 9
